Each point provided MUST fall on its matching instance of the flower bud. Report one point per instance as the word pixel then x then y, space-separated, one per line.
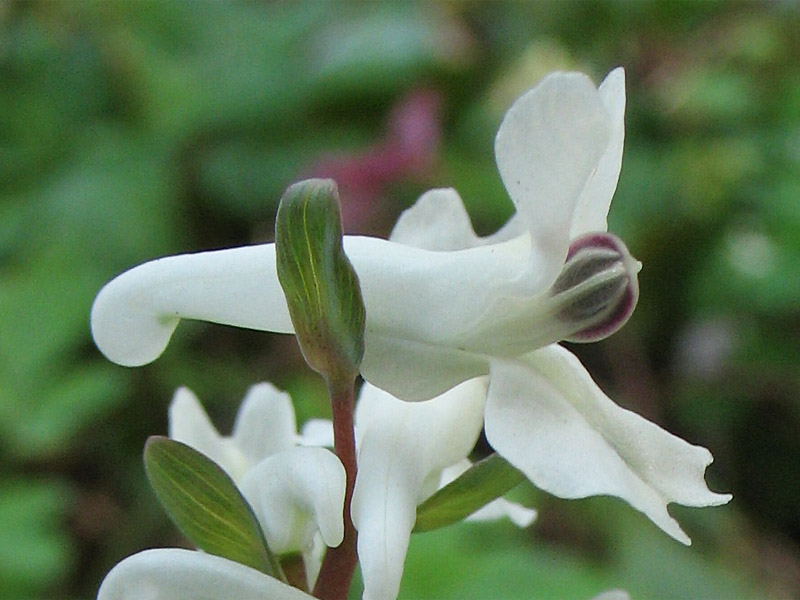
pixel 321 287
pixel 597 289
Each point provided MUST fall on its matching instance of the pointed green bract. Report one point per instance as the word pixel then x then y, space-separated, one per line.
pixel 321 286
pixel 483 482
pixel 205 504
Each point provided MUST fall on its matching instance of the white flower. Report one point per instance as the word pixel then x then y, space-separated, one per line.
pixel 294 491
pixel 441 303
pixel 405 450
pixel 297 495
pixel 265 425
pixel 445 306
pixel 177 574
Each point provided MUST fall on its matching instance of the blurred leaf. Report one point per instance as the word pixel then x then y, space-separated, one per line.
pixel 205 504
pixel 35 551
pixel 44 417
pixel 703 94
pixel 374 48
pixel 496 560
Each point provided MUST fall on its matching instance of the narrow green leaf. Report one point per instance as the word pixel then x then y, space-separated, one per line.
pixel 477 486
pixel 320 284
pixel 205 504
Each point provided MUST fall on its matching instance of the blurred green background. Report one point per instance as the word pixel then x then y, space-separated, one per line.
pixel 131 130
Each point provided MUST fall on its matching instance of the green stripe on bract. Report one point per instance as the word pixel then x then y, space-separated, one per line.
pixel 320 285
pixel 205 504
pixel 483 482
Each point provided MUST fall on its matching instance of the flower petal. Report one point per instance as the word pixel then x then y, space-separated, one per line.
pixel 436 368
pixel 547 417
pixel 595 200
pixel 317 432
pixel 294 494
pixel 189 423
pixel 402 449
pixel 265 423
pixel 134 315
pixel 613 595
pixel 176 574
pixel 547 147
pixel 437 221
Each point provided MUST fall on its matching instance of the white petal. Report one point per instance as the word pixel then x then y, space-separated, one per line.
pixel 437 221
pixel 401 447
pixel 426 296
pixel 134 315
pixel 388 361
pixel 317 432
pixel 500 508
pixel 265 423
pixel 613 595
pixel 519 515
pixel 174 574
pixel 595 200
pixel 189 423
pixel 547 147
pixel 294 494
pixel 547 417
pixel 312 560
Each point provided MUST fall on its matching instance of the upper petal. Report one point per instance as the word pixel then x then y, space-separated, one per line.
pixel 175 574
pixel 265 423
pixel 189 423
pixel 595 200
pixel 547 417
pixel 295 494
pixel 402 449
pixel 547 147
pixel 438 220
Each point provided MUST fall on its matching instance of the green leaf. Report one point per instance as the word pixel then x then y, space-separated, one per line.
pixel 477 486
pixel 205 504
pixel 320 284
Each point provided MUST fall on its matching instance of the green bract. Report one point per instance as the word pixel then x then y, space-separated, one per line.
pixel 483 482
pixel 321 286
pixel 205 504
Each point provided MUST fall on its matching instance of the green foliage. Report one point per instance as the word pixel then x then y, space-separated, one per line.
pixel 205 504
pixel 34 552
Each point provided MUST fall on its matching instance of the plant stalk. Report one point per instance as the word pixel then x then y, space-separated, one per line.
pixel 339 563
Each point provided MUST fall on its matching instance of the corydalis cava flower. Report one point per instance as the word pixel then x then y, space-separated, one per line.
pixel 440 312
pixel 445 306
pixel 297 494
pixel 405 450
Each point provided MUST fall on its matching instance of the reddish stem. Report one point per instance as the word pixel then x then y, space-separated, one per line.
pixel 339 564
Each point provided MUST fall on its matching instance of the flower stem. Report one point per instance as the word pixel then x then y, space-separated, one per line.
pixel 339 564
